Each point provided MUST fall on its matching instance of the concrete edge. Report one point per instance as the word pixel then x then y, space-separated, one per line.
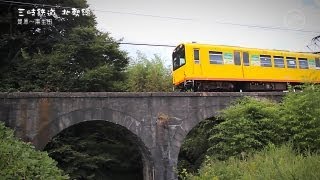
pixel 14 95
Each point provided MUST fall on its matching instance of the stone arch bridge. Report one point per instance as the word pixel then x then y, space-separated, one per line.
pixel 159 121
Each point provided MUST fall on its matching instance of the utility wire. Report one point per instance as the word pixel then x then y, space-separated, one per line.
pixel 169 17
pixel 267 27
pixel 174 18
pixel 33 4
pixel 146 44
pixel 314 45
pixel 146 15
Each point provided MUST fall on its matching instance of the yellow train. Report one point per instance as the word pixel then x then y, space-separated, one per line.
pixel 203 67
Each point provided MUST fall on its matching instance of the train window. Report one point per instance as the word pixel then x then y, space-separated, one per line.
pixel 215 57
pixel 303 63
pixel 317 63
pixel 265 61
pixel 245 58
pixel 236 58
pixel 278 61
pixel 178 57
pixel 196 56
pixel 291 62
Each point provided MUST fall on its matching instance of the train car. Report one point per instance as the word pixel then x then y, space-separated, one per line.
pixel 204 67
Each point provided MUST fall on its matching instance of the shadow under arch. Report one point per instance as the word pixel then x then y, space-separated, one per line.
pixel 194 143
pixel 117 118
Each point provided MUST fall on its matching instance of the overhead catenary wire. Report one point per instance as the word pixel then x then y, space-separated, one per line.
pixel 123 43
pixel 171 17
pixel 120 43
pixel 268 27
pixel 145 44
pixel 313 45
pixel 33 4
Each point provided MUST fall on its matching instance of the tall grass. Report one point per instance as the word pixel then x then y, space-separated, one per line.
pixel 271 163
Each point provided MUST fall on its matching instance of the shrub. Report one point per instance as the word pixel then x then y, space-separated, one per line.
pixel 271 163
pixel 19 160
pixel 250 124
pixel 300 113
pixel 247 125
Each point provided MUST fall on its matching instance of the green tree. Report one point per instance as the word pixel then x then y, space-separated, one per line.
pixel 300 114
pixel 87 60
pixel 248 125
pixel 71 55
pixel 19 160
pixel 36 37
pixel 148 75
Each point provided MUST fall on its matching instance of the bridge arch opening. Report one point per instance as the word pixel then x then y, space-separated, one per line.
pixel 194 147
pixel 100 150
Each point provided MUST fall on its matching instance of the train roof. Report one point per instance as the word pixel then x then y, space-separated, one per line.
pixel 254 49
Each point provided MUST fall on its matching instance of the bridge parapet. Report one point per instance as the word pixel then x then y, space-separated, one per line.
pixel 133 94
pixel 159 120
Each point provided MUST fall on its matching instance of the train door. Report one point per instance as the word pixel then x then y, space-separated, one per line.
pixel 245 64
pixel 238 61
pixel 197 68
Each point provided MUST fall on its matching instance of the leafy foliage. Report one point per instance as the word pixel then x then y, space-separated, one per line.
pixel 71 55
pixel 87 61
pixel 148 75
pixel 248 125
pixel 300 114
pixel 194 149
pixel 36 37
pixel 271 163
pixel 96 150
pixel 19 160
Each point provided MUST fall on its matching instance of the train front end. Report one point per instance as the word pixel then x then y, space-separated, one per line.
pixel 179 65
